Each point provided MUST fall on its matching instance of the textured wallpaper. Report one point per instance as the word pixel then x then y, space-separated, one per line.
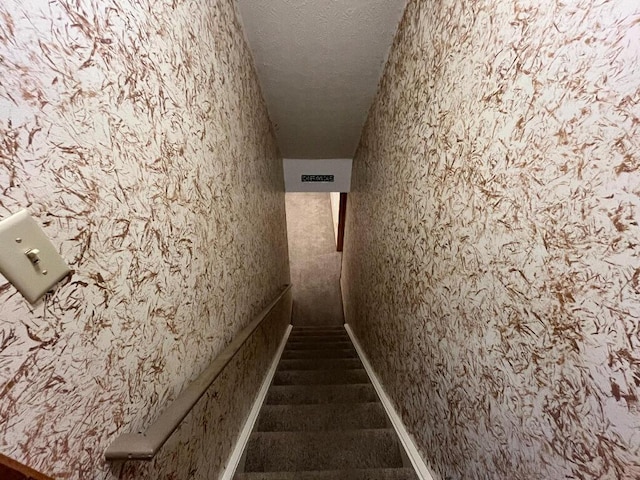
pixel 136 134
pixel 492 266
pixel 199 449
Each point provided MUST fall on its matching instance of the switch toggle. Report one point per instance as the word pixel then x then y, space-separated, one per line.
pixel 28 259
pixel 33 255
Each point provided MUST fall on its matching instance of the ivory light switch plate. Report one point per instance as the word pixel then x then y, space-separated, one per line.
pixel 28 259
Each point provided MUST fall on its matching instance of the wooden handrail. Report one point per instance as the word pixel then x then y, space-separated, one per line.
pixel 11 469
pixel 143 446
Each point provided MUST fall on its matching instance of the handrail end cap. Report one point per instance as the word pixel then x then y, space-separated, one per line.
pixel 130 446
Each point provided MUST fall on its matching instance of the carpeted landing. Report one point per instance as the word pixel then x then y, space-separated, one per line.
pixel 322 419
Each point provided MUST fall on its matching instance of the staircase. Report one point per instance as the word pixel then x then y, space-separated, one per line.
pixel 322 419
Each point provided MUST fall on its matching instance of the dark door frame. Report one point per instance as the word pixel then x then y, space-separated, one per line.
pixel 342 216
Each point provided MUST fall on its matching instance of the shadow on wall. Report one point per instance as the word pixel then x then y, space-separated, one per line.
pixel 315 264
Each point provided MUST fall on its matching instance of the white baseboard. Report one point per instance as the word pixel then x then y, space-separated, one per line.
pixel 419 465
pixel 238 450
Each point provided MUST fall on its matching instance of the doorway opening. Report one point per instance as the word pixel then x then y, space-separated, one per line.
pixel 313 231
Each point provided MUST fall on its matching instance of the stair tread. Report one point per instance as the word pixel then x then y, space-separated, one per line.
pixel 318 327
pixel 294 451
pixel 340 331
pixel 313 331
pixel 318 345
pixel 318 338
pixel 319 333
pixel 318 330
pixel 319 363
pixel 323 353
pixel 315 394
pixel 320 377
pixel 321 417
pixel 354 474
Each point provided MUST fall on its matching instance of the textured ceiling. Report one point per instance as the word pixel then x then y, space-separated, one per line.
pixel 319 62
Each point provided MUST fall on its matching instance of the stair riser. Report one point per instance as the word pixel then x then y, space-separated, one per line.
pixel 300 354
pixel 320 394
pixel 318 345
pixel 319 334
pixel 320 377
pixel 293 451
pixel 307 328
pixel 319 364
pixel 368 474
pixel 319 338
pixel 318 330
pixel 317 418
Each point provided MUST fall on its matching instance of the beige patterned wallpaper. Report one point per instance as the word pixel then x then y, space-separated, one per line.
pixel 492 258
pixel 199 449
pixel 136 134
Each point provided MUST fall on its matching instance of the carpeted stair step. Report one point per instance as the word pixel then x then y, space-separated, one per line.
pixel 295 451
pixel 328 330
pixel 322 353
pixel 313 328
pixel 324 417
pixel 318 333
pixel 320 377
pixel 318 330
pixel 363 474
pixel 318 327
pixel 318 345
pixel 319 338
pixel 316 394
pixel 319 363
pixel 340 343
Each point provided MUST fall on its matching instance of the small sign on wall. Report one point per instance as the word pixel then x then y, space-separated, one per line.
pixel 317 175
pixel 317 178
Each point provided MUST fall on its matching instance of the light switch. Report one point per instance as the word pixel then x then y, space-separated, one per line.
pixel 28 259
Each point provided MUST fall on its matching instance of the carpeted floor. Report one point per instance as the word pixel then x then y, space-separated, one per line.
pixel 314 262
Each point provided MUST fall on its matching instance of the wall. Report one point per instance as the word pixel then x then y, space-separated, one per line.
pixel 315 263
pixel 136 134
pixel 200 448
pixel 491 264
